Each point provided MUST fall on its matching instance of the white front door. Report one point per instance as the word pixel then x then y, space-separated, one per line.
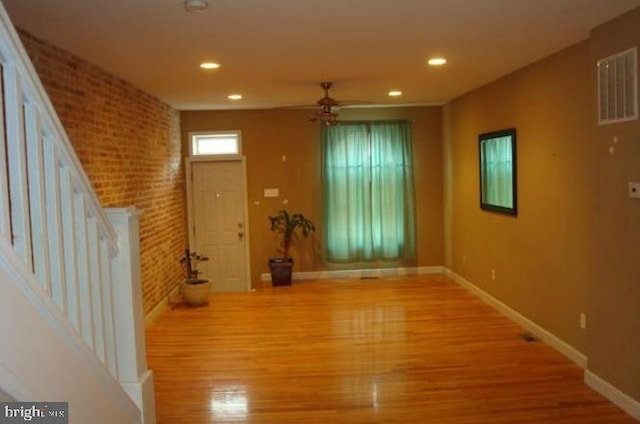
pixel 219 230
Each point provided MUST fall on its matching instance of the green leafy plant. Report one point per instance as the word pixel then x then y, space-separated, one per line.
pixel 287 225
pixel 191 260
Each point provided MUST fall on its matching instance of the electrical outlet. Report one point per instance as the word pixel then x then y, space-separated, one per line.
pixel 493 274
pixel 583 321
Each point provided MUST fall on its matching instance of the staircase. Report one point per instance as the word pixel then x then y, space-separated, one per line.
pixel 71 324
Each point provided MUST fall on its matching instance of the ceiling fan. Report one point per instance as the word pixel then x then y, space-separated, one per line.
pixel 326 114
pixel 327 106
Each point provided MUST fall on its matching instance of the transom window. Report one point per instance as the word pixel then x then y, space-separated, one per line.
pixel 216 143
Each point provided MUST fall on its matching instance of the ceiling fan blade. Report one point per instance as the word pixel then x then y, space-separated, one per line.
pixel 310 106
pixel 347 103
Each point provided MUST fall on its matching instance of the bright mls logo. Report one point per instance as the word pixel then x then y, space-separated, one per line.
pixel 34 412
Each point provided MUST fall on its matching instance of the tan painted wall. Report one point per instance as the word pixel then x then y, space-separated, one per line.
pixel 540 256
pixel 573 247
pixel 614 295
pixel 268 135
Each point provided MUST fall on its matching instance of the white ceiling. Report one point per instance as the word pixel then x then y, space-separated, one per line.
pixel 275 52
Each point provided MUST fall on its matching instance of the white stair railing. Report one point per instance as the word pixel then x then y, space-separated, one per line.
pixel 51 218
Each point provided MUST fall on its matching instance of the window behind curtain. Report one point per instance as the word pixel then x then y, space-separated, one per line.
pixel 368 192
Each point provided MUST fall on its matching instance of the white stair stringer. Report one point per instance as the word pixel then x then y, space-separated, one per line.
pixel 42 358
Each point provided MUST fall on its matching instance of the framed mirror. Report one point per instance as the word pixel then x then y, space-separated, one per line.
pixel 498 189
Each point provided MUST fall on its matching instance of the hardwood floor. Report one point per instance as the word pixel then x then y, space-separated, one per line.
pixel 412 350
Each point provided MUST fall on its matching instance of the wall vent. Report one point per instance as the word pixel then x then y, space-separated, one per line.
pixel 618 87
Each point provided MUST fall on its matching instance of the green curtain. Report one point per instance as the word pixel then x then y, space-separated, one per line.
pixel 368 192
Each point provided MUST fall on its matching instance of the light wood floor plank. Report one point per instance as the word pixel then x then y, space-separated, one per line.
pixel 418 349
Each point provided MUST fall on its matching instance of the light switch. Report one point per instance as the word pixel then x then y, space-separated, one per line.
pixel 271 192
pixel 634 190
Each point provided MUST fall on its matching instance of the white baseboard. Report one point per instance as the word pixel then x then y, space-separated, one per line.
pixel 561 346
pixel 361 273
pixel 162 306
pixel 622 400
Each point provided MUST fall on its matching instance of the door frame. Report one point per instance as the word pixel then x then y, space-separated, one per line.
pixel 242 160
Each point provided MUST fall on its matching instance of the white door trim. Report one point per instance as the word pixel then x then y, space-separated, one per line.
pixel 191 220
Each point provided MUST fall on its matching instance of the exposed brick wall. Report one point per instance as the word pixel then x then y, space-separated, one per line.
pixel 129 144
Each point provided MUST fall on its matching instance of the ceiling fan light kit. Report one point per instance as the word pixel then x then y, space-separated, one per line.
pixel 326 116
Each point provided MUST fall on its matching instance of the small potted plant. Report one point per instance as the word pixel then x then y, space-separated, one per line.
pixel 287 225
pixel 194 290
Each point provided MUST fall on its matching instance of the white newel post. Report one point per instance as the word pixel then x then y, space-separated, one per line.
pixel 128 316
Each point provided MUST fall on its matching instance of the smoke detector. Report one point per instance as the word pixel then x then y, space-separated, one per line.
pixel 195 6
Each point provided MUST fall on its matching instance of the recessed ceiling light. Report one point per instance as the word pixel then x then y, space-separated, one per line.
pixel 234 96
pixel 395 93
pixel 195 6
pixel 437 61
pixel 209 65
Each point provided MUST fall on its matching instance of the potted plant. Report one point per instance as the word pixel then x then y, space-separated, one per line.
pixel 193 289
pixel 287 225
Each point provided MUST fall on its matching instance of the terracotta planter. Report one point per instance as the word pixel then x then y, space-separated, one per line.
pixel 196 294
pixel 281 270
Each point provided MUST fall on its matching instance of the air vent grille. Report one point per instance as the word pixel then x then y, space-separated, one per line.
pixel 618 87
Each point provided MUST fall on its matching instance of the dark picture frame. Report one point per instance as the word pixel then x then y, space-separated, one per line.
pixel 498 171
